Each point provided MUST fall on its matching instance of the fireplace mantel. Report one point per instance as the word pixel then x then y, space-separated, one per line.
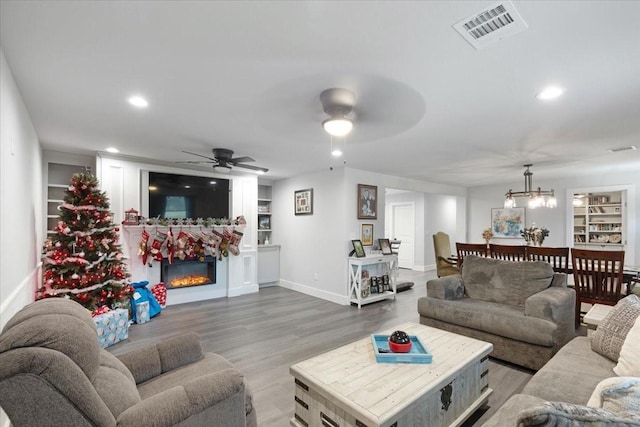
pixel 122 180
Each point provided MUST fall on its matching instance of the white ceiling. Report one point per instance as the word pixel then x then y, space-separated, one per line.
pixel 247 76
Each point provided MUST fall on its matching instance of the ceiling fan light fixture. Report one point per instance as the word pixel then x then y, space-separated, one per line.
pixel 338 126
pixel 222 168
pixel 550 92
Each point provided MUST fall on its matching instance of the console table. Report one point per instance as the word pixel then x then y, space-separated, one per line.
pixel 387 264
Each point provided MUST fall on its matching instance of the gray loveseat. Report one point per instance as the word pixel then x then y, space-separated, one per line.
pixel 53 373
pixel 523 308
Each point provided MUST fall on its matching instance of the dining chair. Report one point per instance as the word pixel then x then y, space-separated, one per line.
pixel 508 252
pixel 598 277
pixel 464 249
pixel 557 257
pixel 442 250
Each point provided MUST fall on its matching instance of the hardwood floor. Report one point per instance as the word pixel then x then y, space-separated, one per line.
pixel 263 334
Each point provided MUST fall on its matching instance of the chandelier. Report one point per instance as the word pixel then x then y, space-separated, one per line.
pixel 536 197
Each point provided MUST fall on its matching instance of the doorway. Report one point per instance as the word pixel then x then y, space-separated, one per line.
pixel 403 229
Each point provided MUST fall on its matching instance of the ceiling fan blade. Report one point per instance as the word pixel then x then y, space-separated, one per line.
pixel 195 162
pixel 199 155
pixel 254 168
pixel 243 159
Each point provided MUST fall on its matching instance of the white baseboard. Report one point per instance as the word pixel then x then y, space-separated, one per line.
pixel 315 292
pixel 250 289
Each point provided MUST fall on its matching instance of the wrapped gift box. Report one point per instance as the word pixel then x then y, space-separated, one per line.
pixel 160 292
pixel 112 327
pixel 142 312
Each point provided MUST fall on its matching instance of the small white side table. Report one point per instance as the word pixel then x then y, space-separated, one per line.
pixel 595 315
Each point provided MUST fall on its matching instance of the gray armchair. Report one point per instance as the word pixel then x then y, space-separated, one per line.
pixel 53 373
pixel 523 308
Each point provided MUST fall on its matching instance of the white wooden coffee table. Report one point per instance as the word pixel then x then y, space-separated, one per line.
pixel 347 387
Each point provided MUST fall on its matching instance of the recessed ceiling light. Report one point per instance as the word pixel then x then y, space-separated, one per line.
pixel 212 182
pixel 138 101
pixel 550 92
pixel 152 188
pixel 113 150
pixel 187 186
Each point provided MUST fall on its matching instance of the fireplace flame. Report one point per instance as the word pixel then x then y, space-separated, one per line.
pixel 193 280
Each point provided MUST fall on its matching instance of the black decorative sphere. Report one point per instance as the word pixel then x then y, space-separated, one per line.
pixel 399 337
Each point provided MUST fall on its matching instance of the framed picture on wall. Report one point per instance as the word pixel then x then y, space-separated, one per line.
pixel 358 249
pixel 507 222
pixel 303 202
pixel 367 201
pixel 367 234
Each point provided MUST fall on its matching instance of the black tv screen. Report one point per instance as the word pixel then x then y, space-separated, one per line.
pixel 184 196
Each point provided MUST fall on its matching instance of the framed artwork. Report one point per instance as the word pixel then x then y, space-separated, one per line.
pixel 367 234
pixel 358 249
pixel 303 202
pixel 507 223
pixel 385 246
pixel 367 201
pixel 264 222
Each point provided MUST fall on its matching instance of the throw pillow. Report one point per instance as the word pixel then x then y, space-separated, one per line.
pixel 607 340
pixel 568 414
pixel 629 360
pixel 617 394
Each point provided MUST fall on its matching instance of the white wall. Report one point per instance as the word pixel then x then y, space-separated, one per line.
pixel 482 199
pixel 20 217
pixel 314 248
pixel 312 252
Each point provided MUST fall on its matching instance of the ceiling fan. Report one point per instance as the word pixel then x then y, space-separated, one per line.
pixel 223 161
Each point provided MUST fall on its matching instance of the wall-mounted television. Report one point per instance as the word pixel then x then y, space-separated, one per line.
pixel 186 196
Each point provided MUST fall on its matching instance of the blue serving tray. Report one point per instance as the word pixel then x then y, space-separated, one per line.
pixel 417 354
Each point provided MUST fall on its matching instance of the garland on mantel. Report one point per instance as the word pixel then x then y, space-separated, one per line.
pixel 203 222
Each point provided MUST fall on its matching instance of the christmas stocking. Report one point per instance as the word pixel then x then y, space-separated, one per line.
pixel 143 249
pixel 171 247
pixel 156 246
pixel 234 242
pixel 181 243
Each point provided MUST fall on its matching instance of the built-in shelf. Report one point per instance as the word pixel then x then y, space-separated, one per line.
pixel 264 214
pixel 58 180
pixel 598 220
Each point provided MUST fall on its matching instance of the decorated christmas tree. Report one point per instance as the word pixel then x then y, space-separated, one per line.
pixel 82 258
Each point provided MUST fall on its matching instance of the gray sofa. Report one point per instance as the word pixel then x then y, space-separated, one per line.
pixel 558 394
pixel 570 376
pixel 53 373
pixel 523 308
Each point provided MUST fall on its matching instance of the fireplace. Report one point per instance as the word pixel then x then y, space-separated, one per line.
pixel 187 273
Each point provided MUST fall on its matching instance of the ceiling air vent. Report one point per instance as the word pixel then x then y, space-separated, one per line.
pixel 617 150
pixel 491 25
